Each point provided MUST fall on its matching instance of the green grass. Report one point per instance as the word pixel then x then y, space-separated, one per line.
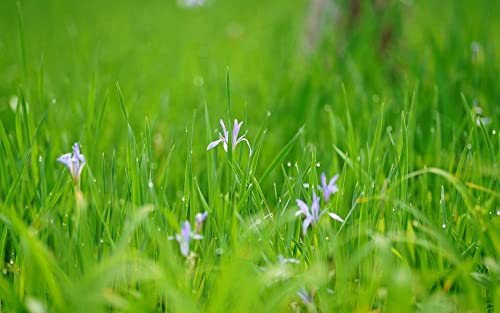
pixel 142 88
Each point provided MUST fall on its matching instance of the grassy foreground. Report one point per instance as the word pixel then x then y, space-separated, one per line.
pixel 401 100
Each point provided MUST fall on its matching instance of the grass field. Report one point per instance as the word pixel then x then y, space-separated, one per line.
pixel 401 99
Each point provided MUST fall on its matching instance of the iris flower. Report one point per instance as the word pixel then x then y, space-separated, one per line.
pixel 184 238
pixel 330 188
pixel 74 161
pixel 224 137
pixel 313 214
pixel 200 218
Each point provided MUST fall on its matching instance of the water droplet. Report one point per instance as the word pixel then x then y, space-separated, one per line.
pixel 4 271
pixel 95 180
pixel 288 164
pixel 83 245
pixel 183 199
pixel 444 226
pixel 219 251
pixel 159 229
pixel 11 262
pixel 493 132
pixel 268 113
pixel 327 238
pixel 469 146
pixel 40 159
pixel 101 241
pixel 318 164
pixel 498 212
pixel 51 221
pixel 150 184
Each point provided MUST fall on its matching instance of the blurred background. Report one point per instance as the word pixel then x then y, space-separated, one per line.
pixel 287 62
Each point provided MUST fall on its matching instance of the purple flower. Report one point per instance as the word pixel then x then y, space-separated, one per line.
pixel 313 214
pixel 306 296
pixel 74 161
pixel 200 218
pixel 330 188
pixel 224 137
pixel 183 238
pixel 186 235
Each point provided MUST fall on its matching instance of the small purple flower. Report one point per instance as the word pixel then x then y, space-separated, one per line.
pixel 200 218
pixel 74 161
pixel 186 234
pixel 224 137
pixel 330 188
pixel 306 296
pixel 183 238
pixel 313 215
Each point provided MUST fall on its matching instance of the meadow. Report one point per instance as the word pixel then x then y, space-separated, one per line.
pixel 362 174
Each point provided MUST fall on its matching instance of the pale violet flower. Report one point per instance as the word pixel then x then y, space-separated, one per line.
pixel 306 296
pixel 185 236
pixel 328 188
pixel 200 218
pixel 224 137
pixel 74 161
pixel 313 214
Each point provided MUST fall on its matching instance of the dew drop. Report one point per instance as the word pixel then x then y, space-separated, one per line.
pixel 268 113
pixel 469 146
pixel 493 132
pixel 150 184
pixel 4 271
pixel 318 164
pixel 288 164
pixel 444 226
pixel 219 251
pixel 183 199
pixel 11 262
pixel 40 159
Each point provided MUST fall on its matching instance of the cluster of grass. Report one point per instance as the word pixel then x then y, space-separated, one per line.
pixel 409 121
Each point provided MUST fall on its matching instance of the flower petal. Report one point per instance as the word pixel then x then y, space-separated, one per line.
pixel 333 180
pixel 214 144
pixel 65 159
pixel 323 180
pixel 336 217
pixel 306 223
pixel 246 141
pixel 224 130
pixel 303 208
pixel 186 231
pixel 315 207
pixel 236 131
